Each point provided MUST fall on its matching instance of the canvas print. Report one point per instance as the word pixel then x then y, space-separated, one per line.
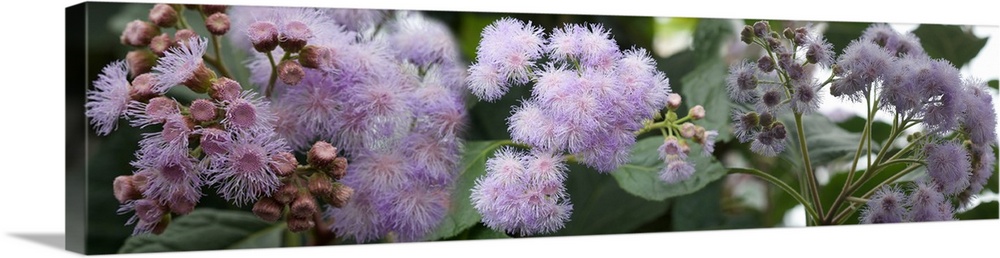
pixel 270 126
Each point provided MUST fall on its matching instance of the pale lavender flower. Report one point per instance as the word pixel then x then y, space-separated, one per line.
pixel 318 22
pixel 511 46
pixel 982 169
pixel 173 177
pixel 431 158
pixel 671 150
pixel 806 97
pixel 948 163
pixel 676 171
pixel 358 219
pixel 529 123
pixel 109 99
pixel 486 81
pixel 708 142
pixel 944 100
pixel 379 171
pixel 147 215
pixel 245 171
pixel 896 43
pixel 927 204
pixel 414 210
pixel 978 120
pixel 742 82
pixel 639 80
pixel 769 142
pixel 180 64
pixel 422 41
pixel 357 19
pixel 745 125
pixel 214 142
pixel 307 111
pixel 886 206
pixel 863 62
pixel 553 84
pixel 155 111
pixel 597 48
pixel 772 99
pixel 249 112
pixel 608 151
pixel 818 51
pixel 438 109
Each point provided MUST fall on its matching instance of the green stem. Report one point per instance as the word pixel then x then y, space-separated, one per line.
pixel 274 76
pixel 842 216
pixel 782 185
pixel 850 173
pixel 218 64
pixel 813 185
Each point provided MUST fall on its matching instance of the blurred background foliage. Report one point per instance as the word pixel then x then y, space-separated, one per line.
pixel 622 202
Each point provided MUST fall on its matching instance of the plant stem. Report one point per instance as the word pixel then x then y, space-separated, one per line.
pixel 847 212
pixel 813 185
pixel 274 76
pixel 850 174
pixel 777 182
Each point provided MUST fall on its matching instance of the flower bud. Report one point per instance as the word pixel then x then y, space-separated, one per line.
pixel 340 195
pixel 801 36
pixel 294 36
pixel 320 185
pixel 225 89
pixel 749 120
pixel 765 64
pixel 160 108
pixel 217 24
pixel 339 168
pixel 761 29
pixel 766 120
pixel 142 88
pixel 286 193
pixel 268 209
pixel 774 44
pixel 284 164
pixel 687 130
pixel 778 131
pixel 788 33
pixel 304 205
pixel 139 33
pixel 180 204
pixel 140 61
pixel 674 101
pixel 699 134
pixel 149 210
pixel 746 35
pixel 125 190
pixel 159 44
pixel 263 35
pixel 321 155
pixel 182 36
pixel 697 112
pixel 201 79
pixel 313 56
pixel 299 224
pixel 290 72
pixel 202 110
pixel 163 15
pixel 141 180
pixel 209 9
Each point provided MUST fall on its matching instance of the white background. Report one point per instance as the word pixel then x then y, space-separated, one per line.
pixel 33 163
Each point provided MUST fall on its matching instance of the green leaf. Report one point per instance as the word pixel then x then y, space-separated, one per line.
pixel 953 43
pixel 856 124
pixel 986 210
pixel 708 208
pixel 462 215
pixel 480 231
pixel 706 86
pixel 209 229
pixel 827 142
pixel 710 34
pixel 993 84
pixel 640 177
pixel 839 34
pixel 600 206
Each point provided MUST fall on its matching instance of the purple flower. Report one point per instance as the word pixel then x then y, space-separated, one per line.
pixel 591 45
pixel 745 125
pixel 147 215
pixel 896 43
pixel 742 82
pixel 379 171
pixel 172 176
pixel 671 150
pixel 638 78
pixel 806 97
pixel 249 112
pixel 307 111
pixel 886 206
pixel 818 51
pixel 358 219
pixel 862 62
pixel 486 81
pixel 181 65
pixel 772 99
pixel 769 142
pixel 708 142
pixel 245 171
pixel 676 171
pixel 156 111
pixel 214 142
pixel 422 41
pixel 927 204
pixel 431 158
pixel 531 124
pixel 982 169
pixel 608 151
pixel 414 210
pixel 978 120
pixel 438 109
pixel 948 163
pixel 523 194
pixel 357 19
pixel 109 99
pixel 318 22
pixel 511 46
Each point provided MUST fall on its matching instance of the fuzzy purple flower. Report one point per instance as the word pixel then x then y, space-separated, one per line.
pixel 422 41
pixel 249 112
pixel 358 219
pixel 172 176
pixel 742 82
pixel 504 57
pixel 978 120
pixel 818 51
pixel 948 163
pixel 896 43
pixel 862 63
pixel 886 206
pixel 414 210
pixel 806 98
pixel 183 65
pixel 109 99
pixel 927 204
pixel 522 194
pixel 244 172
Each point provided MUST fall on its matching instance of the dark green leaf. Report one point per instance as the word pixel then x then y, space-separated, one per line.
pixel 706 86
pixel 827 142
pixel 993 84
pixel 708 208
pixel 462 215
pixel 986 210
pixel 600 206
pixel 209 229
pixel 856 124
pixel 953 43
pixel 640 177
pixel 709 35
pixel 839 34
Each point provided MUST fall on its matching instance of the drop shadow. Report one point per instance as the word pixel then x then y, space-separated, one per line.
pixel 54 240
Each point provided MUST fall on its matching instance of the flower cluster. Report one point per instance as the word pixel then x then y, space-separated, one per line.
pixel 386 91
pixel 674 151
pixel 779 81
pixel 391 98
pixel 589 100
pixel 923 203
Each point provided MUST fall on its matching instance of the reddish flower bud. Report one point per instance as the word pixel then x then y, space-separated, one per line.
pixel 320 185
pixel 180 204
pixel 284 164
pixel 674 101
pixel 299 224
pixel 322 155
pixel 268 209
pixel 304 205
pixel 697 112
pixel 341 195
pixel 149 210
pixel 139 33
pixel 224 89
pixel 286 193
pixel 125 190
pixel 214 141
pixel 761 29
pixel 699 134
pixel 209 9
pixel 201 80
pixel 294 36
pixel 182 36
pixel 263 35
pixel 140 61
pixel 141 180
pixel 142 88
pixel 159 44
pixel 687 130
pixel 339 168
pixel 163 15
pixel 290 72
pixel 217 24
pixel 202 110
pixel 313 56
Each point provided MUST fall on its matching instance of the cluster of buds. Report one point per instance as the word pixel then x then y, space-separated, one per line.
pixel 152 42
pixel 301 188
pixel 292 36
pixel 677 133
